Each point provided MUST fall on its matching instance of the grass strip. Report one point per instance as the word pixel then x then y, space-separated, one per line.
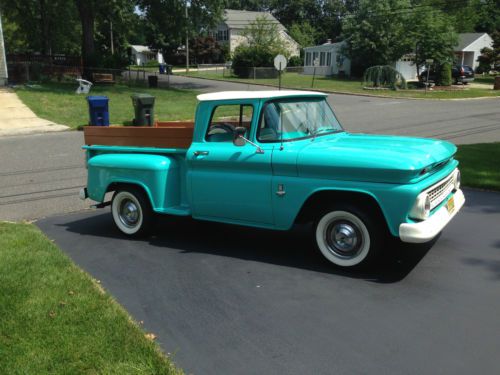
pixel 479 165
pixel 58 102
pixel 350 86
pixel 55 319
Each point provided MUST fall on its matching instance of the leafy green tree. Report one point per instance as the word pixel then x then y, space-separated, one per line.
pixel 41 26
pixel 490 57
pixel 265 35
pixel 433 36
pixel 377 33
pixel 167 24
pixel 303 33
pixel 262 44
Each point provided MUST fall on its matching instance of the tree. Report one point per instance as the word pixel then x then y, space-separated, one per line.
pixel 40 26
pixel 303 33
pixel 205 49
pixel 263 42
pixel 167 24
pixel 377 33
pixel 490 57
pixel 433 37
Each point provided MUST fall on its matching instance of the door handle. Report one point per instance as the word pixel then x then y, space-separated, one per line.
pixel 200 153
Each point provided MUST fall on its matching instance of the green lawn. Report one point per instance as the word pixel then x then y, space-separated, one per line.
pixel 59 103
pixel 55 319
pixel 479 165
pixel 301 81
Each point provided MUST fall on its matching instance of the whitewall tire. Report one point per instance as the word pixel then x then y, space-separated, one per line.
pixel 131 212
pixel 346 238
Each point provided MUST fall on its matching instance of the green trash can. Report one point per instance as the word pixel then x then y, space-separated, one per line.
pixel 143 109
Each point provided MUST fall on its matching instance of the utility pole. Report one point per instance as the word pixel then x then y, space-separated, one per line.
pixel 187 39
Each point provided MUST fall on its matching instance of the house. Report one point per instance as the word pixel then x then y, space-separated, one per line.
pixel 469 48
pixel 326 59
pixel 140 55
pixel 3 60
pixel 228 32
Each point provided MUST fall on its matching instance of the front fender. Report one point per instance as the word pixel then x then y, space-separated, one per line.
pixel 158 175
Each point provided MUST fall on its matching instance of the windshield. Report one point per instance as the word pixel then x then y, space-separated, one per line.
pixel 295 119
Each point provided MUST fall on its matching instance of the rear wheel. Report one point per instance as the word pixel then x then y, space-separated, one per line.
pixel 132 211
pixel 347 237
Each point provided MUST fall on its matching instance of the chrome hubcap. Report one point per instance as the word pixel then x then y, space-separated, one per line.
pixel 129 213
pixel 343 239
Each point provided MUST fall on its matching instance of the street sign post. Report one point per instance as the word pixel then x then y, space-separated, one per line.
pixel 280 65
pixel 428 62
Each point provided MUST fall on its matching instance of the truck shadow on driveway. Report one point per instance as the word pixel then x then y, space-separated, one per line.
pixel 294 248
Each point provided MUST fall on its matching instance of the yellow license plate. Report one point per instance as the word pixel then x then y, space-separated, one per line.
pixel 450 205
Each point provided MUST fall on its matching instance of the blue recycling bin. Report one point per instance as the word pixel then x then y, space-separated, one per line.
pixel 98 110
pixel 162 68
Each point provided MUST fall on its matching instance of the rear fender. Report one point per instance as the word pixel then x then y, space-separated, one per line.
pixel 158 175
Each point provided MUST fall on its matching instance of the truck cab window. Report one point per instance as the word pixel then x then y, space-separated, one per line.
pixel 225 118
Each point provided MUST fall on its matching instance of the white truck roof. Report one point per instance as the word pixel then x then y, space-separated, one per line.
pixel 265 94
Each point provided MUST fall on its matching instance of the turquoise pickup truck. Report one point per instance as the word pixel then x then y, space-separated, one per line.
pixel 270 159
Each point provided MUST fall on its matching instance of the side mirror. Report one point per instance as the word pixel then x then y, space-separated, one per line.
pixel 239 136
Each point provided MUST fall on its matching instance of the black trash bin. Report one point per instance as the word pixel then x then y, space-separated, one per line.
pixel 143 109
pixel 153 81
pixel 98 110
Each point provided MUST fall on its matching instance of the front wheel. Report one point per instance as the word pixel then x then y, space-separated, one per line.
pixel 132 212
pixel 347 237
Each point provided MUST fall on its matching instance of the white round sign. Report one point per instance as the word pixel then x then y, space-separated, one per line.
pixel 280 62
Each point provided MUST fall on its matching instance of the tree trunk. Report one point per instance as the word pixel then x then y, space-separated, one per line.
pixel 45 28
pixel 86 11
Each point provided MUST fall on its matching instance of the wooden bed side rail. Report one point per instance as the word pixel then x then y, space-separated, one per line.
pixel 175 124
pixel 164 137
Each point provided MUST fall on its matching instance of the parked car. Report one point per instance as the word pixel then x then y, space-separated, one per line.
pixel 271 159
pixel 459 73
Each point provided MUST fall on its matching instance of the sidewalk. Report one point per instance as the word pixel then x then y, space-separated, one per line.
pixel 17 119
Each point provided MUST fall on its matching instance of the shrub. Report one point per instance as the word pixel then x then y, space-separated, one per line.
pixel 247 57
pixel 445 74
pixel 384 76
pixel 295 61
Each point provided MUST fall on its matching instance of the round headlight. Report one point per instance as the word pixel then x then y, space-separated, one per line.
pixel 422 207
pixel 458 179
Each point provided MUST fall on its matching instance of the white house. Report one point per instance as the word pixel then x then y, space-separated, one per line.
pixel 326 59
pixel 235 21
pixel 142 54
pixel 469 48
pixel 3 60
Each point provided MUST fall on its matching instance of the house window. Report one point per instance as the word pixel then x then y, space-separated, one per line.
pixel 222 35
pixel 328 59
pixel 308 59
pixel 315 56
pixel 322 59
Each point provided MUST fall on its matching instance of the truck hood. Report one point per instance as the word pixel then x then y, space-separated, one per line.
pixel 375 158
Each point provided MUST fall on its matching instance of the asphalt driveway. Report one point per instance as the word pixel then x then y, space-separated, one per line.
pixel 232 300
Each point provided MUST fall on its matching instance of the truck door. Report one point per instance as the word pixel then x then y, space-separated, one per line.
pixel 227 182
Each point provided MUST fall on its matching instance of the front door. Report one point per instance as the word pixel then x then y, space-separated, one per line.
pixel 227 182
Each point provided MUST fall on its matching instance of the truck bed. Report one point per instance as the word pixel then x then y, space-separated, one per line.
pixel 171 134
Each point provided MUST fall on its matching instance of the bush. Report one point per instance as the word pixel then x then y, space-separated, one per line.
pixel 445 75
pixel 295 61
pixel 247 57
pixel 384 76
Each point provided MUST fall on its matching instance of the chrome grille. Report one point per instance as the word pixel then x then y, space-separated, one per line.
pixel 441 190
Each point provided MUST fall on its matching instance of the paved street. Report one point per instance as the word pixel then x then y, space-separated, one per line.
pixel 248 301
pixel 41 174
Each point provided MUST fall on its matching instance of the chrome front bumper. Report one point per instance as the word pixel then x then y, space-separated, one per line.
pixel 426 230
